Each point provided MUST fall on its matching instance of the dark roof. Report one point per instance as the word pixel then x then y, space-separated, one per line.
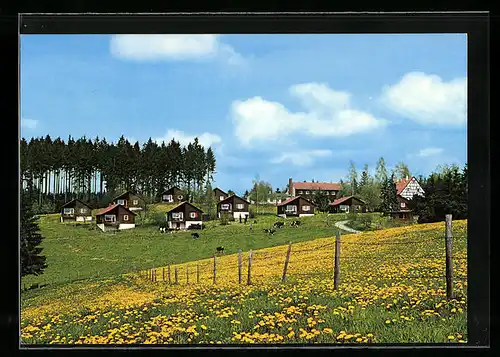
pixel 83 203
pixel 219 190
pixel 343 199
pixel 229 197
pixel 112 207
pixel 288 200
pixel 125 193
pixel 185 203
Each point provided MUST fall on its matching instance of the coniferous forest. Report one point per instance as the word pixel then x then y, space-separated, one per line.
pixel 55 171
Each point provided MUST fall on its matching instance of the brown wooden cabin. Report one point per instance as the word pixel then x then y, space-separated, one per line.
pixel 348 204
pixel 308 189
pixel 219 194
pixel 184 215
pixel 404 213
pixel 115 217
pixel 296 207
pixel 129 200
pixel 234 206
pixel 76 211
pixel 173 195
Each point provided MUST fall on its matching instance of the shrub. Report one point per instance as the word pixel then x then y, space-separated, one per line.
pixel 224 219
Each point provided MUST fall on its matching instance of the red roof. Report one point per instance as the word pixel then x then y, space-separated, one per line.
pixel 316 186
pixel 401 184
pixel 110 208
pixel 288 200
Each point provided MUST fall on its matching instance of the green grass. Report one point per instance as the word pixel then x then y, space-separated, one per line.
pixel 76 251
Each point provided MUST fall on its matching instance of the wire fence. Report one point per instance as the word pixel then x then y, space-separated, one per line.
pixel 385 259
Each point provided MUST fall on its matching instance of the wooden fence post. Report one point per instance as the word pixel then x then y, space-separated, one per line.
pixel 249 277
pixel 449 262
pixel 197 273
pixel 239 266
pixel 215 269
pixel 176 275
pixel 336 267
pixel 187 275
pixel 286 261
pixel 168 269
pixel 163 274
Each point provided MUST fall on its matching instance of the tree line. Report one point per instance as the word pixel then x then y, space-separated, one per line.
pixel 95 170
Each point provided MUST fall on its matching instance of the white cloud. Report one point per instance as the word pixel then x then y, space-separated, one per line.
pixel 328 114
pixel 29 123
pixel 430 152
pixel 172 47
pixel 301 158
pixel 427 99
pixel 205 139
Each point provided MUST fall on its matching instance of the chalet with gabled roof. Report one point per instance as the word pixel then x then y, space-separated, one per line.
pixel 115 217
pixel 348 204
pixel 76 211
pixel 234 206
pixel 296 207
pixel 129 200
pixel 173 195
pixel 307 189
pixel 406 189
pixel 219 194
pixel 184 215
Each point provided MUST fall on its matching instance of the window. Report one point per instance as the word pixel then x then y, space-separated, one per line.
pixel 121 202
pixel 403 205
pixel 135 202
pixel 344 208
pixel 221 198
pixel 177 215
pixel 83 210
pixel 193 214
pixel 291 208
pixel 306 208
pixel 327 193
pixel 301 192
pixel 179 197
pixel 165 197
pixel 109 218
pixel 125 217
pixel 240 206
pixel 307 192
pixel 69 211
pixel 224 206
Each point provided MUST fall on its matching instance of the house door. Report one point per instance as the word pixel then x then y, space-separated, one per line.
pixel 177 224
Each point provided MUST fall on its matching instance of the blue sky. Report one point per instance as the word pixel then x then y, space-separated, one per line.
pixel 277 106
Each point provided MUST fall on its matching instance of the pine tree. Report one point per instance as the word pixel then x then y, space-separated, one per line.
pixel 32 263
pixel 389 201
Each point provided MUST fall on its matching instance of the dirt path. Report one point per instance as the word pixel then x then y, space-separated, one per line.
pixel 341 225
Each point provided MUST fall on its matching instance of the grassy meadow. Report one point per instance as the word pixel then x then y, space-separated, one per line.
pixel 392 290
pixel 80 251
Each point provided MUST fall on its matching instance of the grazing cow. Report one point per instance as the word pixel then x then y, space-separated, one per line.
pixel 270 231
pixel 195 235
pixel 295 223
pixel 163 228
pixel 246 217
pixel 278 225
pixel 219 250
pixel 255 221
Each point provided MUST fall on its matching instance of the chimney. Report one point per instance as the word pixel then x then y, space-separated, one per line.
pixel 290 186
pixel 406 177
